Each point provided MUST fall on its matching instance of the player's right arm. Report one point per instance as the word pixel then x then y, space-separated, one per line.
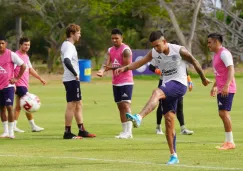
pixel 214 90
pixel 18 61
pixel 153 68
pixel 104 67
pixel 136 64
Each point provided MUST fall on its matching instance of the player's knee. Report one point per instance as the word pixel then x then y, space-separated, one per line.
pixel 157 93
pixel 79 104
pixel 17 108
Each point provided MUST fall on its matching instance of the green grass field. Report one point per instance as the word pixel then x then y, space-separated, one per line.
pixel 147 151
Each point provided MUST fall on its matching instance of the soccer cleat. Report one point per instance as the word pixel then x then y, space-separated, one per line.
pixel 159 131
pixel 71 136
pixel 226 146
pixel 124 135
pixel 173 160
pixel 4 135
pixel 86 134
pixel 18 130
pixel 134 118
pixel 37 129
pixel 186 132
pixel 11 136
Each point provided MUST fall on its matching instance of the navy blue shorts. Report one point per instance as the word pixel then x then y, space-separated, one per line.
pixel 7 96
pixel 173 90
pixel 225 103
pixel 21 91
pixel 73 91
pixel 122 93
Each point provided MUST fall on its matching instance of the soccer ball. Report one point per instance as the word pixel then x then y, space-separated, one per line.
pixel 30 102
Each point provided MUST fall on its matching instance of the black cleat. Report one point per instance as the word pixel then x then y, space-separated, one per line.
pixel 71 136
pixel 86 134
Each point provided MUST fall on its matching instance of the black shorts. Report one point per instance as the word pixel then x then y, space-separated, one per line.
pixel 122 93
pixel 73 91
pixel 21 91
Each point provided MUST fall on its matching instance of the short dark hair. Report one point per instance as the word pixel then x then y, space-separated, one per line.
pixel 2 38
pixel 72 28
pixel 155 35
pixel 174 42
pixel 216 36
pixel 23 39
pixel 116 31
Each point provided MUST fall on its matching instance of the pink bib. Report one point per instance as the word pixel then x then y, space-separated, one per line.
pixel 117 61
pixel 221 73
pixel 24 80
pixel 6 68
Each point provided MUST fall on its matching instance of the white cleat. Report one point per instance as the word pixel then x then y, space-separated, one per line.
pixel 124 135
pixel 4 135
pixel 37 129
pixel 18 130
pixel 159 131
pixel 11 136
pixel 186 132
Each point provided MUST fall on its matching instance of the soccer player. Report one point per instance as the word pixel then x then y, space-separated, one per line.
pixel 7 81
pixel 224 86
pixel 179 112
pixel 171 60
pixel 120 55
pixel 23 83
pixel 69 57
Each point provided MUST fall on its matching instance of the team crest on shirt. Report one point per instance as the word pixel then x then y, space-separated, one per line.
pixel 2 70
pixel 116 63
pixel 173 57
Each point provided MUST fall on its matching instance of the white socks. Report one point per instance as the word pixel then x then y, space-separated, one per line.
pixel 127 127
pixel 229 137
pixel 32 123
pixel 5 126
pixel 15 123
pixel 11 129
pixel 174 154
pixel 183 127
pixel 124 127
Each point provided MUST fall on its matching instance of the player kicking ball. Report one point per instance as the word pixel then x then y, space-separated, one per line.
pixel 172 60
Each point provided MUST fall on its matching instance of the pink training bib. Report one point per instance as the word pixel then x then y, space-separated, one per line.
pixel 116 58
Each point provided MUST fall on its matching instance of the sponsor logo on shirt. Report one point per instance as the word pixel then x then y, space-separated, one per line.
pixel 169 72
pixel 116 63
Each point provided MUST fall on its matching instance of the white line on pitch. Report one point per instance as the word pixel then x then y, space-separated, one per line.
pixel 123 161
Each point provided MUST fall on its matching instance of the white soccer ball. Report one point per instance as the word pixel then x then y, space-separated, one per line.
pixel 30 102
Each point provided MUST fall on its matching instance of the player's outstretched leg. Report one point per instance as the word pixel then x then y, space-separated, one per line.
pixel 157 94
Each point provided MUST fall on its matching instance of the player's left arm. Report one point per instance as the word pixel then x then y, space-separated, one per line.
pixel 126 57
pixel 36 75
pixel 227 59
pixel 187 56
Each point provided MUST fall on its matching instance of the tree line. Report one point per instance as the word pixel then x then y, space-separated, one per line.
pixel 187 21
